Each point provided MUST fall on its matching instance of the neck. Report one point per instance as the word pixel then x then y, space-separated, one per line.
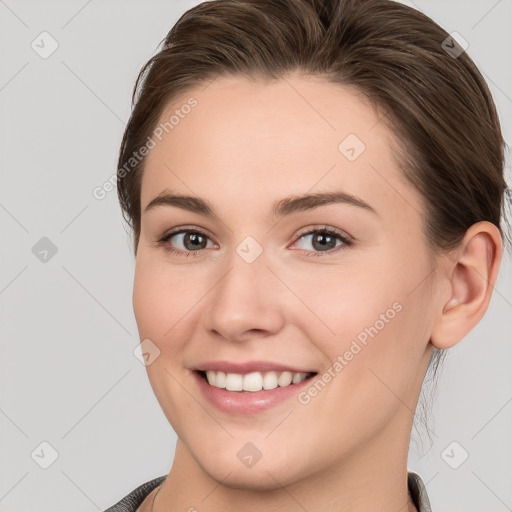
pixel 373 477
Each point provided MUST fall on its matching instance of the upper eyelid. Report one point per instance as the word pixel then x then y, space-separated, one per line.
pixel 330 229
pixel 185 229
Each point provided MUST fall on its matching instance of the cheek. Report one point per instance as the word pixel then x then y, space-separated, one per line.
pixel 148 300
pixel 160 297
pixel 167 303
pixel 160 305
pixel 373 316
pixel 341 303
pixel 155 310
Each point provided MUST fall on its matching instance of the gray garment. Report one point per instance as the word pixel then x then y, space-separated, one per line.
pixel 132 501
pixel 418 492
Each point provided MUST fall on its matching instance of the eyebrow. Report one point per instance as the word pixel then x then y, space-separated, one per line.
pixel 280 208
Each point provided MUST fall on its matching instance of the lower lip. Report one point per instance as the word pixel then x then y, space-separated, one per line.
pixel 247 402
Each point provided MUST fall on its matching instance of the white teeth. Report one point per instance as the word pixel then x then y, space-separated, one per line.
pixel 220 379
pixel 270 380
pixel 285 379
pixel 299 377
pixel 255 381
pixel 211 376
pixel 234 382
pixel 252 381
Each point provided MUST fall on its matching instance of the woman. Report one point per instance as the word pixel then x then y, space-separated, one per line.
pixel 315 190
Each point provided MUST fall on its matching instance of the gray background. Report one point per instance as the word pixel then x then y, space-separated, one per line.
pixel 68 373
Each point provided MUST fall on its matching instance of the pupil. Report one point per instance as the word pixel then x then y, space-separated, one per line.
pixel 322 240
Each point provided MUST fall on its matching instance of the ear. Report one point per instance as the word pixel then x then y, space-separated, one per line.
pixel 472 272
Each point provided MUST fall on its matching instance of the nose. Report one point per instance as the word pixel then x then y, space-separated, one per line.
pixel 247 301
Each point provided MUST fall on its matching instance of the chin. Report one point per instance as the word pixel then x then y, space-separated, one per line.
pixel 262 476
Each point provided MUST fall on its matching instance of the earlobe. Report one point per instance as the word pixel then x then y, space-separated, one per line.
pixel 472 274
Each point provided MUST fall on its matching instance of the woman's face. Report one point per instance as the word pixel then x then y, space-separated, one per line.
pixel 265 288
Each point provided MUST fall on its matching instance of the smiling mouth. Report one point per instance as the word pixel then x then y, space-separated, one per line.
pixel 254 381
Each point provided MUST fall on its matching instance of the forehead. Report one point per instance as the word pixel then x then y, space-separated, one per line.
pixel 244 140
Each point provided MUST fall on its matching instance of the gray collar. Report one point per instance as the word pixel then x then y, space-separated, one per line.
pixel 418 492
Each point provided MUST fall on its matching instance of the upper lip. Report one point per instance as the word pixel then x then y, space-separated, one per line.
pixel 249 367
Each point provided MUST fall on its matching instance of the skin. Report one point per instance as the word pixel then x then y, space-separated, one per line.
pixel 243 147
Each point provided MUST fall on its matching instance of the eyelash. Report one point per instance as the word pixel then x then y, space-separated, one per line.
pixel 346 241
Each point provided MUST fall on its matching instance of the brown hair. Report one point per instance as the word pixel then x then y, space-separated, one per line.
pixel 435 101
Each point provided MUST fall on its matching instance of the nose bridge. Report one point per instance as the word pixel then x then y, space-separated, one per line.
pixel 245 298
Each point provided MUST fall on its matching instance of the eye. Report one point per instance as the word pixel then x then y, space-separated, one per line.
pixel 190 242
pixel 323 240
